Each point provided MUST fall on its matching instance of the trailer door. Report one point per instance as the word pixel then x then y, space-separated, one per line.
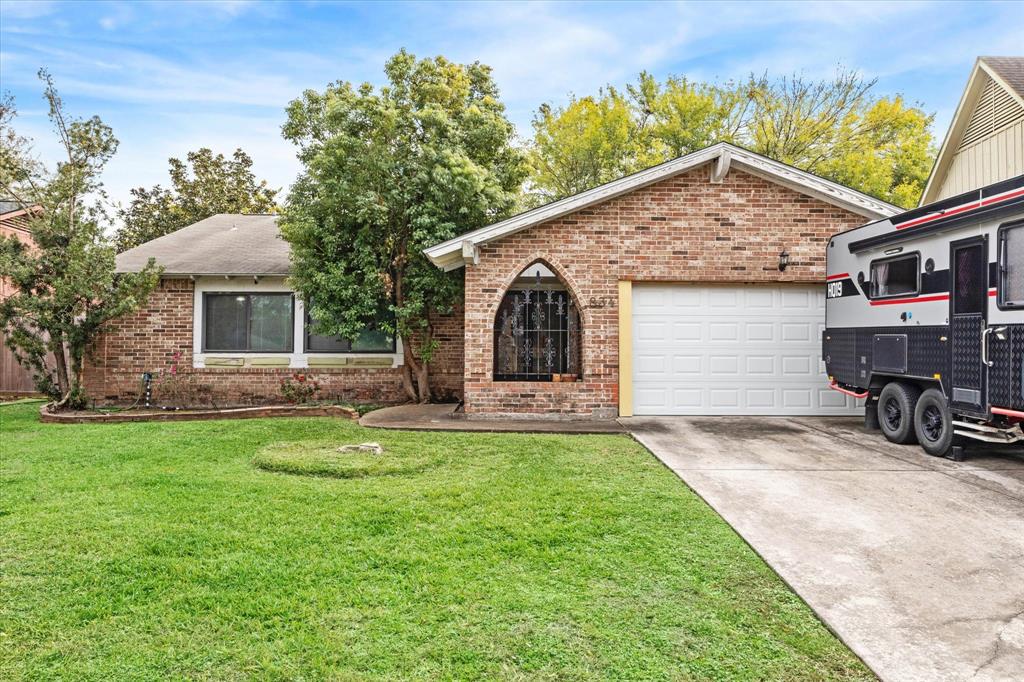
pixel 968 302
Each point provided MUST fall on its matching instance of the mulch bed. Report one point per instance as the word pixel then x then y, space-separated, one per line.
pixel 89 417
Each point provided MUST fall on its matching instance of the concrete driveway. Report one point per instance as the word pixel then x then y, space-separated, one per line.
pixel 917 563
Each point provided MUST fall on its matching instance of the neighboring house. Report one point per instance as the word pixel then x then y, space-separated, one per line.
pixel 14 221
pixel 223 309
pixel 694 287
pixel 985 142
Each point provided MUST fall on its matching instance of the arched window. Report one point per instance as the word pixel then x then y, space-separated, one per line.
pixel 537 330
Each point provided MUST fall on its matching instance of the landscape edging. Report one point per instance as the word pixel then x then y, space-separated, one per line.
pixel 87 417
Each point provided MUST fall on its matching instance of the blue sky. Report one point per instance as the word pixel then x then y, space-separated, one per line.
pixel 171 77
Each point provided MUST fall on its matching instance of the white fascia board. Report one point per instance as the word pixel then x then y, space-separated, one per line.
pixel 812 185
pixel 448 255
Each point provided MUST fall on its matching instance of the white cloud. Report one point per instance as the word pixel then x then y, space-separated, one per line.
pixel 172 78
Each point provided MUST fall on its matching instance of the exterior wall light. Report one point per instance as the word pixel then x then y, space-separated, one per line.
pixel 783 260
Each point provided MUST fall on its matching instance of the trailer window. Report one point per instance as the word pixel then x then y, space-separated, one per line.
pixel 895 276
pixel 1011 266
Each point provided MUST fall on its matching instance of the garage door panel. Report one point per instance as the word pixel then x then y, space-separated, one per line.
pixel 760 331
pixel 650 365
pixel 687 331
pixel 759 299
pixel 723 298
pixel 724 364
pixel 687 364
pixel 760 365
pixel 716 349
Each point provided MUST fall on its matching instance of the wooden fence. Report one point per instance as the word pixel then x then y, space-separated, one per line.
pixel 13 377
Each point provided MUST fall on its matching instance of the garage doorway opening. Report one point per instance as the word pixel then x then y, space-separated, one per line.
pixel 537 329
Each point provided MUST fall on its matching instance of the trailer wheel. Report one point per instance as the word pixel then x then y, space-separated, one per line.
pixel 896 411
pixel 933 423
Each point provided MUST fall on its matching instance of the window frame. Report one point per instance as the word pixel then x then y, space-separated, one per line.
pixel 915 255
pixel 306 333
pixel 248 321
pixel 1001 302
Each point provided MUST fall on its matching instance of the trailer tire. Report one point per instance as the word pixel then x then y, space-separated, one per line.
pixel 896 406
pixel 933 424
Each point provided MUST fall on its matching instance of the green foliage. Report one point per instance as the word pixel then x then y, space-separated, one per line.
pixel 203 185
pixel 388 172
pixel 156 550
pixel 66 289
pixel 590 141
pixel 300 388
pixel 835 128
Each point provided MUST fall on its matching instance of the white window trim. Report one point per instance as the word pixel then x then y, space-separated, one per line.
pixel 298 358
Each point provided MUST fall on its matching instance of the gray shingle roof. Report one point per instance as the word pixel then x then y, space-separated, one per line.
pixel 1010 69
pixel 224 244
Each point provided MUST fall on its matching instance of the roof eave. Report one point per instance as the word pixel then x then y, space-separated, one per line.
pixel 179 275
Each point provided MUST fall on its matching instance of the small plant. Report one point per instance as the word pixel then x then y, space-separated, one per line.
pixel 300 389
pixel 175 388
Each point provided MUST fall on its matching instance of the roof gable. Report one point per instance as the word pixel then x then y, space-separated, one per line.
pixel 454 253
pixel 992 100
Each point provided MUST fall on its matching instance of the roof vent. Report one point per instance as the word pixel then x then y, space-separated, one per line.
pixel 996 109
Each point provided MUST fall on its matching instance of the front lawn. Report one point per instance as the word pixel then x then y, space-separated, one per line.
pixel 148 551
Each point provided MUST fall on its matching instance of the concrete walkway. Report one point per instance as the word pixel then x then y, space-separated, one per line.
pixel 445 418
pixel 917 563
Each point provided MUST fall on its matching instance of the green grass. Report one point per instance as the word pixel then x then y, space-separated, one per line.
pixel 155 551
pixel 305 458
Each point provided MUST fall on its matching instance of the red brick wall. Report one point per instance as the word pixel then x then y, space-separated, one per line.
pixel 683 229
pixel 147 340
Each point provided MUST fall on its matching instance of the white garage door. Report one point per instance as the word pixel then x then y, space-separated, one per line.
pixel 731 349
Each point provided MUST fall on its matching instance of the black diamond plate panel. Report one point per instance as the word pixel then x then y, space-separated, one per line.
pixel 1006 375
pixel 966 338
pixel 839 351
pixel 927 353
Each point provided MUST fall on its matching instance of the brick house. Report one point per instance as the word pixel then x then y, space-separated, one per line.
pixel 693 287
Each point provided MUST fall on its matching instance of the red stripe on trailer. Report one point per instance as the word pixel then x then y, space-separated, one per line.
pixel 1002 197
pixel 841 275
pixel 935 216
pixel 991 292
pixel 919 299
pixel 835 387
pixel 963 207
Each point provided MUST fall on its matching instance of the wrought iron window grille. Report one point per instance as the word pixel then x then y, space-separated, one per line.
pixel 536 333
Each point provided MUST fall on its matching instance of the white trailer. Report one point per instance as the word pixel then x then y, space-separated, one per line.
pixel 924 319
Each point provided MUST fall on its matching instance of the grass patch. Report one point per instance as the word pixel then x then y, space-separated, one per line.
pixel 312 459
pixel 149 551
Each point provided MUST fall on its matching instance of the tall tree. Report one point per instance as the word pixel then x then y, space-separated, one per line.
pixel 201 186
pixel 66 289
pixel 834 127
pixel 388 172
pixel 590 141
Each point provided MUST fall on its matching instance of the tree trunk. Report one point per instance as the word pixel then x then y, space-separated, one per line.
pixel 407 384
pixel 63 380
pixel 423 382
pixel 415 370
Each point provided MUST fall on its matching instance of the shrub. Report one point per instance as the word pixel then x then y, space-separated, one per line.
pixel 300 388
